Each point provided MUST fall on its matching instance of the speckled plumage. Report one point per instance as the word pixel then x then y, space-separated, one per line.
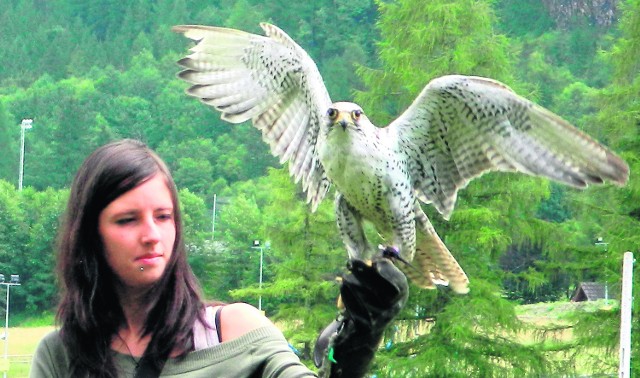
pixel 458 128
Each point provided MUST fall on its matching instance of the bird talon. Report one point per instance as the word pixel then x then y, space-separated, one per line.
pixel 392 253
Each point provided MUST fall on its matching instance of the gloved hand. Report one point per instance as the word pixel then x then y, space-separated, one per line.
pixel 373 295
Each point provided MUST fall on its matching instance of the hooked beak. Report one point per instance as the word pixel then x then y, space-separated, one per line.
pixel 341 120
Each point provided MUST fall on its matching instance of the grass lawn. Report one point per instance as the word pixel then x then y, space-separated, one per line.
pixel 22 344
pixel 542 315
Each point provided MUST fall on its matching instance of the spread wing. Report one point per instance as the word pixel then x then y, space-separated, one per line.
pixel 269 80
pixel 461 127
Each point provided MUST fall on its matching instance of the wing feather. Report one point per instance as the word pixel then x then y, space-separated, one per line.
pixel 213 77
pixel 461 127
pixel 269 80
pixel 296 137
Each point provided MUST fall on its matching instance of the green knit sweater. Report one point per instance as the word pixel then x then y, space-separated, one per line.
pixel 262 352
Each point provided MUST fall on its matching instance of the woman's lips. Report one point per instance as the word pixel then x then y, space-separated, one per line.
pixel 149 259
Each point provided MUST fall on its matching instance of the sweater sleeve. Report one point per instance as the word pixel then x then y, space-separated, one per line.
pixel 280 361
pixel 262 352
pixel 50 359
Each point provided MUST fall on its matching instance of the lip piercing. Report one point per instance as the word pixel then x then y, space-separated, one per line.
pixel 142 268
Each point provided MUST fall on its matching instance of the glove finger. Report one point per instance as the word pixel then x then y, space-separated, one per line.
pixel 387 269
pixel 382 281
pixel 322 343
pixel 356 292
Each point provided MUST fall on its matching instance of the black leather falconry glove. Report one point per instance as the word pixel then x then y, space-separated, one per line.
pixel 373 295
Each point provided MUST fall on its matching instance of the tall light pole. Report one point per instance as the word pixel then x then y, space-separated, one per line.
pixel 25 125
pixel 15 281
pixel 216 201
pixel 257 245
pixel 213 218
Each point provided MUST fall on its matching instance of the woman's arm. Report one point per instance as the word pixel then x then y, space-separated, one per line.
pixel 50 359
pixel 236 319
pixel 277 359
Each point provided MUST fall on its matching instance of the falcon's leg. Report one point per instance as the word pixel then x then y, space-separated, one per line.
pixel 404 238
pixel 351 230
pixel 403 227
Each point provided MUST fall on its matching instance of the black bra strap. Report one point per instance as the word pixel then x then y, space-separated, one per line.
pixel 148 369
pixel 217 318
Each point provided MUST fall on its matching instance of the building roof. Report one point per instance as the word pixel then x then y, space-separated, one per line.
pixel 589 291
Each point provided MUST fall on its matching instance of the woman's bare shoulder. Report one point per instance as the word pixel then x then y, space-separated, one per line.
pixel 236 319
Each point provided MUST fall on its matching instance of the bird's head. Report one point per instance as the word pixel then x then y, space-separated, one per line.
pixel 346 115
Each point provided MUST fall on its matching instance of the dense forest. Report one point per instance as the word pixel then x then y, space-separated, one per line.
pixel 88 72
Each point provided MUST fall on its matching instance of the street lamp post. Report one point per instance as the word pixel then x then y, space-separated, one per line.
pixel 213 218
pixel 257 245
pixel 216 201
pixel 25 125
pixel 15 281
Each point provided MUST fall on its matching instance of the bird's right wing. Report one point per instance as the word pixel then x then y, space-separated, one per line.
pixel 267 79
pixel 461 127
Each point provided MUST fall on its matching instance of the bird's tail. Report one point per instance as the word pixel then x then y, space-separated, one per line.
pixel 433 263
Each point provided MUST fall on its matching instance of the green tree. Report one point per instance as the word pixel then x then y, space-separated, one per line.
pixel 523 17
pixel 9 144
pixel 196 222
pixel 238 224
pixel 12 230
pixel 613 213
pixel 194 174
pixel 245 16
pixel 436 38
pixel 14 234
pixel 304 258
pixel 41 212
pixel 29 222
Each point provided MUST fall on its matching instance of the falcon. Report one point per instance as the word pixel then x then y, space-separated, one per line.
pixel 458 128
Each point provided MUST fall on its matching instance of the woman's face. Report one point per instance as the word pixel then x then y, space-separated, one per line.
pixel 138 232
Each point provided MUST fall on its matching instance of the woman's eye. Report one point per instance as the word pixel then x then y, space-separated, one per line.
pixel 166 216
pixel 123 221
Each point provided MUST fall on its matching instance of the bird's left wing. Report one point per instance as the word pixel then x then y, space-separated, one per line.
pixel 267 79
pixel 460 127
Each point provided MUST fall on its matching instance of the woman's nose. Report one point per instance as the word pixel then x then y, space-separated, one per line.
pixel 150 231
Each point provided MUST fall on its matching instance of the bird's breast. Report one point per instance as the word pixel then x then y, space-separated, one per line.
pixel 350 159
pixel 366 172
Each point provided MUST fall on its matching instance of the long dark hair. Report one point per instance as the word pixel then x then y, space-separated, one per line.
pixel 89 312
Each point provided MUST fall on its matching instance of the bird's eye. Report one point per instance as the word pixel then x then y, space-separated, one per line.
pixel 332 113
pixel 356 114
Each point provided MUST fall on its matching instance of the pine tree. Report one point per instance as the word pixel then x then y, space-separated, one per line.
pixel 9 144
pixel 615 211
pixel 305 256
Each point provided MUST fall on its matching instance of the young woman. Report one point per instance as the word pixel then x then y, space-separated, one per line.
pixel 130 304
